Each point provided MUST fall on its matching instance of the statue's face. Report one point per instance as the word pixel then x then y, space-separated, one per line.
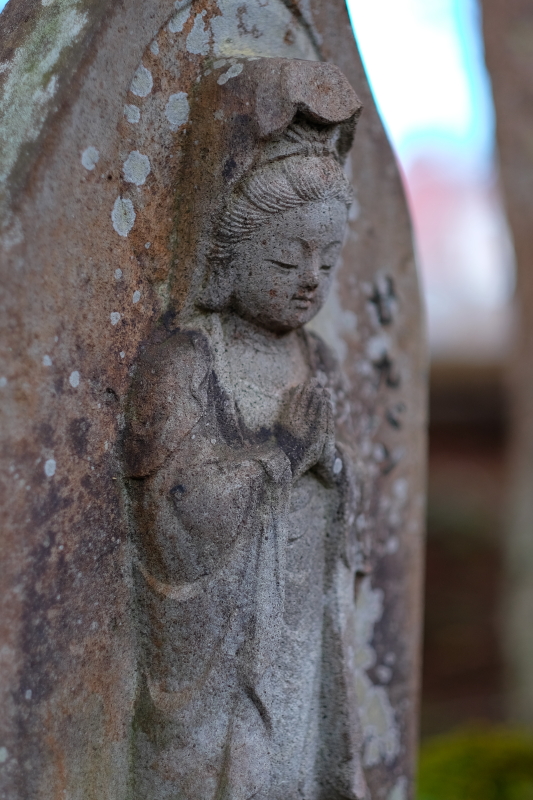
pixel 284 272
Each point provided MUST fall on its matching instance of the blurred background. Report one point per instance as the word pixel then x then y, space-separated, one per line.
pixel 425 61
pixel 438 69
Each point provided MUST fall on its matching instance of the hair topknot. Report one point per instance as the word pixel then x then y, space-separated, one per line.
pixel 276 187
pixel 301 168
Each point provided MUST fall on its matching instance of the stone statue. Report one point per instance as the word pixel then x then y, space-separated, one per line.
pixel 243 500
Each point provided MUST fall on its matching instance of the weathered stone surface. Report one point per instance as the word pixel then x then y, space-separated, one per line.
pixel 243 495
pixel 97 236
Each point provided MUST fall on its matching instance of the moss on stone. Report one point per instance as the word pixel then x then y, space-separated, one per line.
pixel 477 764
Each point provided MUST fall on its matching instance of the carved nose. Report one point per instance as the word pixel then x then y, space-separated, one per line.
pixel 311 278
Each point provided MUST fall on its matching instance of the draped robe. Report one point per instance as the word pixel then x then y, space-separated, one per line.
pixel 241 575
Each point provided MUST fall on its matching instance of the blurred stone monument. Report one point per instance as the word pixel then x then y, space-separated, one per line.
pixel 213 400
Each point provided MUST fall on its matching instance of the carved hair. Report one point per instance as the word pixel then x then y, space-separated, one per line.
pixel 310 172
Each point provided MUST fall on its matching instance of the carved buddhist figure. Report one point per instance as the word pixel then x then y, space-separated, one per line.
pixel 243 500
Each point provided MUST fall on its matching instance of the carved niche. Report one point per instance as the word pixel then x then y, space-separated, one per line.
pixel 242 484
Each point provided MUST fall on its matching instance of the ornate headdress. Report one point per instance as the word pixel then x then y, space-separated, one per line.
pixel 284 128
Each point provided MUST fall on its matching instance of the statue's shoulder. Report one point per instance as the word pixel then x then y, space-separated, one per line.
pixel 167 396
pixel 174 357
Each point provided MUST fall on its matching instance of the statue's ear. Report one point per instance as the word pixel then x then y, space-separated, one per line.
pixel 218 290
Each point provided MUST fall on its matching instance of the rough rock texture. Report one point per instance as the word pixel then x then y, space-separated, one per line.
pixel 237 459
pixel 95 103
pixel 508 29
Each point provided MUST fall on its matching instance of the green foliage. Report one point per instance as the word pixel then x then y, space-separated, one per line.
pixel 477 764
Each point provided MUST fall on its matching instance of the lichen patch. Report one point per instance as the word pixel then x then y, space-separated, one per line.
pixel 142 82
pixel 232 72
pixel 31 83
pixel 199 37
pixel 177 22
pixel 123 216
pixel 380 731
pixel 136 168
pixel 132 113
pixel 90 157
pixel 177 110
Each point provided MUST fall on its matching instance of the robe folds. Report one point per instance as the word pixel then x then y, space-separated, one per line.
pixel 243 577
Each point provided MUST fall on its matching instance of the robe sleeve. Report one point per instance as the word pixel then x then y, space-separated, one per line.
pixel 166 399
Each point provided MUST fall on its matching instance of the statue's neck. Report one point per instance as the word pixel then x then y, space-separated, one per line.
pixel 255 335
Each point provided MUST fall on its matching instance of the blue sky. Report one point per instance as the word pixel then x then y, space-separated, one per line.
pixel 424 59
pixel 425 62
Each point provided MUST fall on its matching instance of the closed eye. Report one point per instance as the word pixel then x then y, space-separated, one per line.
pixel 283 264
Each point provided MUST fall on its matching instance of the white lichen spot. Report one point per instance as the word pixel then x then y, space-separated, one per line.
pixel 384 673
pixel 136 296
pixel 393 545
pixel 3 755
pixel 136 168
pixel 219 114
pixel 28 694
pixel 245 29
pixel 46 2
pixel 232 72
pixel 123 216
pixel 47 361
pixel 122 354
pixel 142 82
pixel 132 113
pixel 400 489
pixel 198 38
pixel 399 792
pixel 177 110
pixel 220 63
pixel 154 48
pixel 74 379
pixel 178 21
pixel 90 157
pixel 4 66
pixel 337 466
pixel 118 274
pixel 380 732
pixel 114 317
pixel 377 348
pixel 50 467
pixel 148 245
pixel 3 382
pixel 25 98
